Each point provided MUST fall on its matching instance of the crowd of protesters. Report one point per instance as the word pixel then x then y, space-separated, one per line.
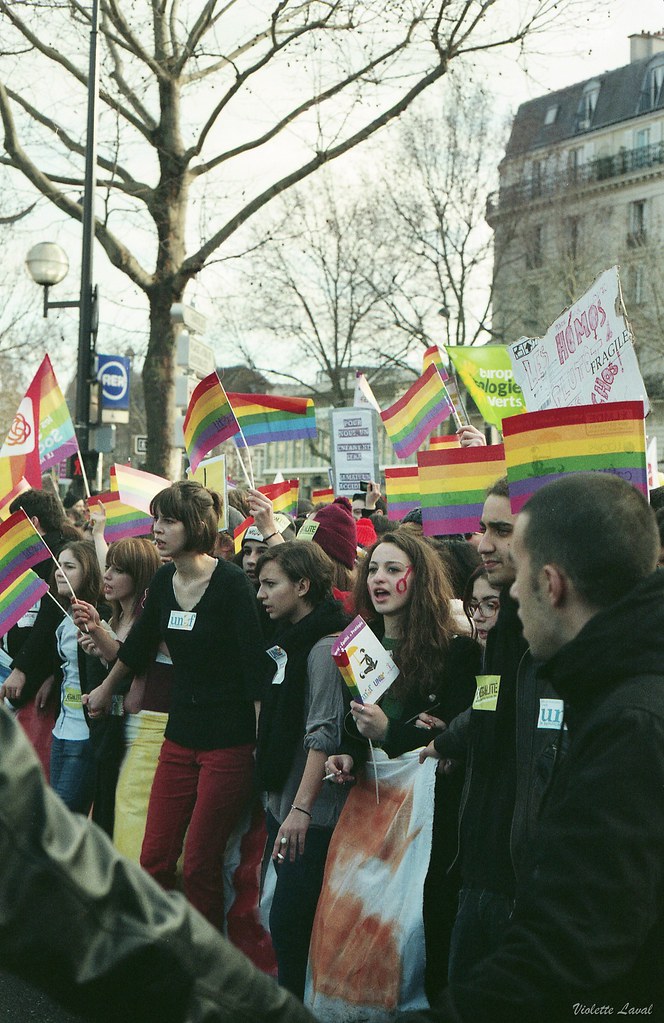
pixel 180 693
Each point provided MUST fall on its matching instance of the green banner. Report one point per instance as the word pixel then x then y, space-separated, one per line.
pixel 487 373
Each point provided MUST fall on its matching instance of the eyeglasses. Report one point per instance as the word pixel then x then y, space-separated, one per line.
pixel 487 607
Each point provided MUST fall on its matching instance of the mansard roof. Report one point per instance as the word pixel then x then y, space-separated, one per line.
pixel 618 100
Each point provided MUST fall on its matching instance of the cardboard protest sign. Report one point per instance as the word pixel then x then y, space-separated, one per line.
pixel 586 357
pixel 366 666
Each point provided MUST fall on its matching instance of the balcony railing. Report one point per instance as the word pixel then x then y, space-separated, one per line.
pixel 603 168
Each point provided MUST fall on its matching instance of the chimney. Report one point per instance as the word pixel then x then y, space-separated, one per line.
pixel 647 44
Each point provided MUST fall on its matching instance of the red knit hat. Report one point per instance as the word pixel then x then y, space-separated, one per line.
pixel 366 534
pixel 336 532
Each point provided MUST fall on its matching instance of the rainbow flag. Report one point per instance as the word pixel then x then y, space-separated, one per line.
pixel 284 496
pixel 10 487
pixel 543 446
pixel 137 488
pixel 42 432
pixel 444 442
pixel 121 519
pixel 268 417
pixel 325 496
pixel 453 485
pixel 20 547
pixel 18 597
pixel 412 418
pixel 57 439
pixel 402 487
pixel 209 421
pixel 113 481
pixel 239 531
pixel 433 357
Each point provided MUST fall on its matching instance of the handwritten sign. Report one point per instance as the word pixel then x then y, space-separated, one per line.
pixel 366 667
pixel 586 357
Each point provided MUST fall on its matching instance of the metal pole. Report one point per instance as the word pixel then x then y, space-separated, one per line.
pixel 87 320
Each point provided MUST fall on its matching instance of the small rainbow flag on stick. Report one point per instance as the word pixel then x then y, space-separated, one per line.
pixel 453 485
pixel 269 417
pixel 284 496
pixel 412 418
pixel 121 519
pixel 444 442
pixel 19 597
pixel 325 496
pixel 433 357
pixel 209 421
pixel 20 547
pixel 543 446
pixel 137 488
pixel 402 487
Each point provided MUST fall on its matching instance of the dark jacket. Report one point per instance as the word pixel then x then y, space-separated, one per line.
pixel 588 925
pixel 523 744
pixel 94 930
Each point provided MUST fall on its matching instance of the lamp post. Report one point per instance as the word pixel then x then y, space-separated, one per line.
pixel 47 263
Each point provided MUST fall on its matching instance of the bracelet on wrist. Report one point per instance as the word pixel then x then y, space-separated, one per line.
pixel 301 809
pixel 269 537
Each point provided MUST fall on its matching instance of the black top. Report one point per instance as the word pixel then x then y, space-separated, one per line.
pixel 219 661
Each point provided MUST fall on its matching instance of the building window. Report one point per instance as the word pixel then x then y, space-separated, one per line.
pixel 534 247
pixel 641 147
pixel 638 285
pixel 551 115
pixel 652 91
pixel 587 104
pixel 574 163
pixel 636 231
pixel 536 179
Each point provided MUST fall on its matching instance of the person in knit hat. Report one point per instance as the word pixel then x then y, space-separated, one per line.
pixel 335 531
pixel 366 533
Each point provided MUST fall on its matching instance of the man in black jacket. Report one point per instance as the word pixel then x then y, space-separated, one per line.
pixel 587 931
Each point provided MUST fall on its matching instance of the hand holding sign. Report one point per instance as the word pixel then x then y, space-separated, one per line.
pixel 371 721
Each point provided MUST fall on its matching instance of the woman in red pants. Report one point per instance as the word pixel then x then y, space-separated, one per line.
pixel 205 611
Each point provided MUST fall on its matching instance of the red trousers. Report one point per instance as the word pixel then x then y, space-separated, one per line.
pixel 206 792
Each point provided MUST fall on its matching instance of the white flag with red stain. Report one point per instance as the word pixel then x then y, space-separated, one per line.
pixel 367 955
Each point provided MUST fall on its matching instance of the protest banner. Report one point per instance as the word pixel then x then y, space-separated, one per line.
pixel 489 378
pixel 354 448
pixel 586 357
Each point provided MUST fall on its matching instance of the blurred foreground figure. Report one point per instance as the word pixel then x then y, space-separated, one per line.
pixel 98 934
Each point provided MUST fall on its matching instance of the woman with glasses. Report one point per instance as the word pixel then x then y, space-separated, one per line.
pixel 481 603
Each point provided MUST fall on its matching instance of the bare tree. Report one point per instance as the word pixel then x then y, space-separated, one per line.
pixel 316 288
pixel 198 100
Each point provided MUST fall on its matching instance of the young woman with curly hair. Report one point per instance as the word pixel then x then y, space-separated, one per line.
pixel 403 592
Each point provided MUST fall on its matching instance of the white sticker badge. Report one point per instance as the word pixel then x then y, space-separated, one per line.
pixel 183 621
pixel 280 657
pixel 550 714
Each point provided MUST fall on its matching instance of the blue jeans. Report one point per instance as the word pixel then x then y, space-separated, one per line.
pixel 478 930
pixel 294 905
pixel 73 773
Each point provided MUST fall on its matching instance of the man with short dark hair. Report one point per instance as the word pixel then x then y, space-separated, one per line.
pixel 587 931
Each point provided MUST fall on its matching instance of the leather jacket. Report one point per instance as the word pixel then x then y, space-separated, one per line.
pixel 96 932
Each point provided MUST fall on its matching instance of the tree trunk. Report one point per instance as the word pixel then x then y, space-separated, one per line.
pixel 159 383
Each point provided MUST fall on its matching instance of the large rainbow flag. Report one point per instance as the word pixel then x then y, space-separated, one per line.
pixel 121 519
pixel 543 446
pixel 412 418
pixel 209 421
pixel 136 487
pixel 42 432
pixel 269 417
pixel 20 547
pixel 18 597
pixel 402 487
pixel 284 496
pixel 453 485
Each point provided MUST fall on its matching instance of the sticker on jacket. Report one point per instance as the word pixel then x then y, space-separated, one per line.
pixel 280 657
pixel 486 694
pixel 550 714
pixel 183 621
